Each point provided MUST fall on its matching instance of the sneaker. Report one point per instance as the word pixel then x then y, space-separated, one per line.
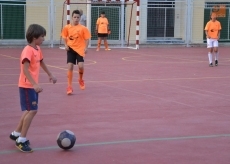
pixel 216 62
pixel 210 65
pixel 82 84
pixel 23 147
pixel 107 49
pixel 14 138
pixel 69 90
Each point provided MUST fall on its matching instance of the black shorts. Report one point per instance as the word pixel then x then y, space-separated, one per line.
pixel 73 56
pixel 101 35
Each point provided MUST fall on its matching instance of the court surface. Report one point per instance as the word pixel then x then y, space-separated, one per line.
pixel 159 105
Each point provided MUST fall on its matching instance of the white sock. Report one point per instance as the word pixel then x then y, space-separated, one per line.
pixel 15 133
pixel 21 139
pixel 210 57
pixel 216 55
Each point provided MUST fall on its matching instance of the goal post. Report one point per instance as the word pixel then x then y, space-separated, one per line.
pixel 123 16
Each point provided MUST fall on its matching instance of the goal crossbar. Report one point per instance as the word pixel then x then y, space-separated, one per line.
pixel 109 3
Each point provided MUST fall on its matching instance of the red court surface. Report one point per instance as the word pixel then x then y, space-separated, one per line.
pixel 159 105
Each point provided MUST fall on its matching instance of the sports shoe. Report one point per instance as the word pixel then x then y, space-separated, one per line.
pixel 107 49
pixel 24 147
pixel 216 62
pixel 82 84
pixel 69 90
pixel 14 138
pixel 210 65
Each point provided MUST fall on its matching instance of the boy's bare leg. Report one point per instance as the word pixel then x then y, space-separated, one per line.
pixel 216 55
pixel 81 72
pixel 19 126
pixel 106 44
pixel 98 43
pixel 70 78
pixel 26 123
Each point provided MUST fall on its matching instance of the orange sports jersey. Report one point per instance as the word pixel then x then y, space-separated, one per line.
pixel 35 57
pixel 213 28
pixel 102 25
pixel 76 36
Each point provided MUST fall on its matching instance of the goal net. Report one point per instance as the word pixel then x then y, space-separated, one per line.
pixel 121 14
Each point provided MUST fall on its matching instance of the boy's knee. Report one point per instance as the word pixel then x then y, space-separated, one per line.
pixel 80 66
pixel 33 112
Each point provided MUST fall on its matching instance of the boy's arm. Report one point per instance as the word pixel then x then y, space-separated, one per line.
pixel 65 43
pixel 218 35
pixel 96 29
pixel 206 32
pixel 51 77
pixel 86 45
pixel 26 72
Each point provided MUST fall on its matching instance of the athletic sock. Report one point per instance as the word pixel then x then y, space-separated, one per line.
pixel 21 139
pixel 216 55
pixel 14 133
pixel 70 77
pixel 210 57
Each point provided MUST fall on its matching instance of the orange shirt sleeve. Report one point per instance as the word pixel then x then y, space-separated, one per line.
pixel 26 54
pixel 220 26
pixel 86 34
pixel 207 26
pixel 64 33
pixel 98 21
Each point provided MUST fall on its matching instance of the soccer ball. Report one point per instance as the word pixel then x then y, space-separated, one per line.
pixel 66 139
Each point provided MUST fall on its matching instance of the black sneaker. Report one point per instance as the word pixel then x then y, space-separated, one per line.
pixel 14 138
pixel 23 147
pixel 210 65
pixel 216 62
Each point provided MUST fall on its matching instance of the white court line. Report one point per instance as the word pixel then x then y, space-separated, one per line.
pixel 125 142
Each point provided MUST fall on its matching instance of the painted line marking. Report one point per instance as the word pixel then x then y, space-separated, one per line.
pixel 136 80
pixel 125 142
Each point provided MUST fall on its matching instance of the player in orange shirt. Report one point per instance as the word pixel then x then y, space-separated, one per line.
pixel 76 39
pixel 212 30
pixel 102 30
pixel 30 62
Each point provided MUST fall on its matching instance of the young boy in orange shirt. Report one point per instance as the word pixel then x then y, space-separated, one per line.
pixel 30 62
pixel 212 30
pixel 102 30
pixel 76 39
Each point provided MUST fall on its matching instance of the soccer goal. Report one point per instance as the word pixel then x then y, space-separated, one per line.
pixel 123 16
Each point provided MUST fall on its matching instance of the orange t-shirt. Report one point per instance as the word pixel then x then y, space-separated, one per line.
pixel 102 25
pixel 76 36
pixel 34 57
pixel 213 28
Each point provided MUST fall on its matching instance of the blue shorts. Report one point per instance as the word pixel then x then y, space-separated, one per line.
pixel 28 99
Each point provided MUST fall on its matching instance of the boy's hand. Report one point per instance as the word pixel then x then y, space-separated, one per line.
pixel 52 79
pixel 37 88
pixel 85 50
pixel 66 47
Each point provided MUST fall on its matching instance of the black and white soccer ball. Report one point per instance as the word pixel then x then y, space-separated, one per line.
pixel 66 139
